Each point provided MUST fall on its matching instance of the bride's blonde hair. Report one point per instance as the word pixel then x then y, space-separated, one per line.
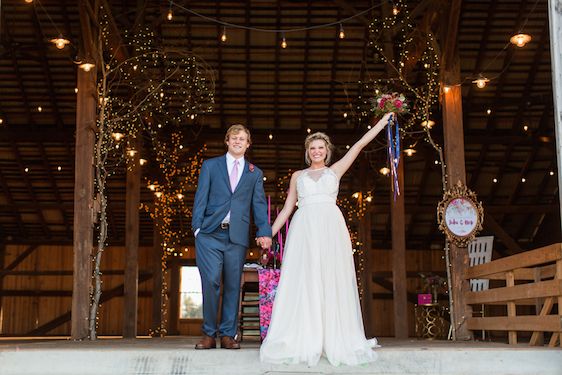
pixel 321 137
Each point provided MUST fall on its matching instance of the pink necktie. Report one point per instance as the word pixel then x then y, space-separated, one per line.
pixel 234 176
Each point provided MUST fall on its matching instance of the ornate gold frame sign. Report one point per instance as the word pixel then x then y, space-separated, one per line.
pixel 460 215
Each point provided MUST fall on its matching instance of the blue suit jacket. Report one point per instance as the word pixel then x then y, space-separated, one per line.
pixel 214 199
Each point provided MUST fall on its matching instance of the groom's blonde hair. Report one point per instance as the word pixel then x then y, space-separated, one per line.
pixel 318 136
pixel 235 129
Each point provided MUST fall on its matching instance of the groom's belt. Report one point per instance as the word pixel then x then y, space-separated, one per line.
pixel 224 225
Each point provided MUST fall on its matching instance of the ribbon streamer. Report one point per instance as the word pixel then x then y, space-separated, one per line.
pixel 394 152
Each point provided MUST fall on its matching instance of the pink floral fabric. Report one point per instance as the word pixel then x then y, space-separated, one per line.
pixel 268 280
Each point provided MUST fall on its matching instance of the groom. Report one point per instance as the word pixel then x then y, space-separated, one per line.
pixel 228 187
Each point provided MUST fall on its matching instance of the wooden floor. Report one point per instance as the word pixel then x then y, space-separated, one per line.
pixel 175 355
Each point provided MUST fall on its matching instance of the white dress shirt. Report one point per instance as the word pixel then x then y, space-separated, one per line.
pixel 230 165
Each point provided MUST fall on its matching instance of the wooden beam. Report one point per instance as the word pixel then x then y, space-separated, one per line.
pixel 555 21
pixel 83 191
pixel 547 288
pixel 491 224
pixel 517 323
pixel 157 282
pixel 174 300
pixel 367 263
pixel 399 259
pixel 454 158
pixel 130 300
pixel 531 258
pixel 20 258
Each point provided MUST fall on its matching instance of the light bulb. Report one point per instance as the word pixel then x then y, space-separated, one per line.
pixel 60 42
pixel 428 124
pixel 143 161
pixel 170 15
pixel 223 36
pixel 284 43
pixel 342 33
pixel 520 39
pixel 384 171
pixel 118 136
pixel 86 66
pixel 395 11
pixel 481 82
pixel 409 151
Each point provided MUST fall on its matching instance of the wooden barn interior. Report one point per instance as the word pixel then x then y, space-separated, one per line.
pixel 499 140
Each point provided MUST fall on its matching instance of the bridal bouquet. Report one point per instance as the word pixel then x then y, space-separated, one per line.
pixel 392 102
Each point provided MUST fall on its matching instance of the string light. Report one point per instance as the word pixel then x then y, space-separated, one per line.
pixel 409 151
pixel 170 14
pixel 308 130
pixel 270 136
pixel 117 136
pixel 384 171
pixel 1 121
pixel 59 168
pixel 428 124
pixel 86 66
pixel 60 42
pixel 520 39
pixel 284 42
pixel 481 82
pixel 143 161
pixel 551 173
pixel 495 180
pixel 525 127
pixel 342 33
pixel 26 169
pixel 76 90
pixel 489 111
pixel 395 10
pixel 39 109
pixel 523 179
pixel 223 35
pixel 152 187
pixel 28 1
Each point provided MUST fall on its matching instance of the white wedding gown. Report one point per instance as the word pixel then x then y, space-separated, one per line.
pixel 316 310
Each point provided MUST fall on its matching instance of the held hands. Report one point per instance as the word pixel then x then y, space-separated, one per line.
pixel 264 242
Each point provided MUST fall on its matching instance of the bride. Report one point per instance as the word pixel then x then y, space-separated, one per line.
pixel 316 310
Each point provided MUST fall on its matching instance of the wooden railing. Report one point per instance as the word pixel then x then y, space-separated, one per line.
pixel 531 278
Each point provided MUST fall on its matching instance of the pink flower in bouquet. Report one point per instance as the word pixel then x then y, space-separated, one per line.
pixel 398 103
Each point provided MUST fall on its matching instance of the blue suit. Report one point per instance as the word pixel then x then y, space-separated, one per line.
pixel 222 252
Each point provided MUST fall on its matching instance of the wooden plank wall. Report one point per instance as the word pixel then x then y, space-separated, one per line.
pixel 23 314
pixel 383 309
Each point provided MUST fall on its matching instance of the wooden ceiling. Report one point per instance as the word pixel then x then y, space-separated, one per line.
pixel 284 92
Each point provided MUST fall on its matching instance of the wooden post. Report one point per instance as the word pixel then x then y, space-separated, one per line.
pixel 397 216
pixel 555 21
pixel 173 299
pixel 157 281
pixel 131 283
pixel 2 264
pixel 365 238
pixel 399 259
pixel 454 158
pixel 83 202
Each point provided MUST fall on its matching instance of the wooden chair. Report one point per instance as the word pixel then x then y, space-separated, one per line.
pixel 480 252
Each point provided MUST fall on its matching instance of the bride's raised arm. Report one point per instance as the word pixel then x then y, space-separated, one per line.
pixel 288 207
pixel 342 165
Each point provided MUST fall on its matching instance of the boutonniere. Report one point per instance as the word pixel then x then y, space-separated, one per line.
pixel 251 167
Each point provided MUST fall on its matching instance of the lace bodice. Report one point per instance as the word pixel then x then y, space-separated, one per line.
pixel 317 186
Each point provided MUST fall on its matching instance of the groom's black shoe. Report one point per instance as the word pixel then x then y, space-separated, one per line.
pixel 207 342
pixel 228 342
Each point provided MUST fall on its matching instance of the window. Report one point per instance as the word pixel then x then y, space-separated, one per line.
pixel 191 297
